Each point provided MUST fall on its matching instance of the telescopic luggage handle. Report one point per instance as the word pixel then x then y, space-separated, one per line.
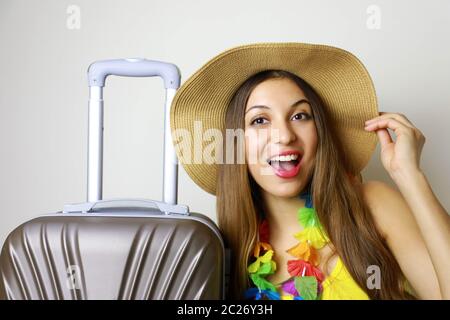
pixel 136 67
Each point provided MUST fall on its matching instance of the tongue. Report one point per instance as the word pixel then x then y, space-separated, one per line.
pixel 284 165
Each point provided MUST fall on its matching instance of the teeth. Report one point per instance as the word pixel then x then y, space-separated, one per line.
pixel 289 157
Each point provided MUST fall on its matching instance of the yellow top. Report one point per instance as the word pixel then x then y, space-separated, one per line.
pixel 339 285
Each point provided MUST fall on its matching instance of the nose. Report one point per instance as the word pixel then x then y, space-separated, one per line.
pixel 283 133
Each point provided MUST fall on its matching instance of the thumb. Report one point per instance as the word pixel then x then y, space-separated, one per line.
pixel 384 137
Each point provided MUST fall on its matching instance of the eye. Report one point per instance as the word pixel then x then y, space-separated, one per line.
pixel 258 121
pixel 305 116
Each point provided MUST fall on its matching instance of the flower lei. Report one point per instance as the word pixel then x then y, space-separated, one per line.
pixel 306 279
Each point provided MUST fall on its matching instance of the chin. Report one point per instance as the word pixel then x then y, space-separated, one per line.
pixel 285 190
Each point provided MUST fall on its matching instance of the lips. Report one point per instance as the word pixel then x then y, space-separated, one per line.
pixel 286 164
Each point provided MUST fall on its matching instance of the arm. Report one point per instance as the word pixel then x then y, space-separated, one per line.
pixel 433 222
pixel 422 213
pixel 407 240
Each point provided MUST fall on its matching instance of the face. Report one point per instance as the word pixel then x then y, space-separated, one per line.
pixel 281 137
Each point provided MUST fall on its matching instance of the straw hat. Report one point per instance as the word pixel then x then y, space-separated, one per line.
pixel 337 76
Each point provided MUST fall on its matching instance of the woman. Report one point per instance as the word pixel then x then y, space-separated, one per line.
pixel 299 222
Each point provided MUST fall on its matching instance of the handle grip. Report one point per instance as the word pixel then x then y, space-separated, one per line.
pixel 135 67
pixel 97 73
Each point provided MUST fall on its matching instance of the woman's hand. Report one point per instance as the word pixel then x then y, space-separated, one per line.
pixel 400 157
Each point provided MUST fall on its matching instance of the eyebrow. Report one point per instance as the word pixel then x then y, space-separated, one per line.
pixel 266 107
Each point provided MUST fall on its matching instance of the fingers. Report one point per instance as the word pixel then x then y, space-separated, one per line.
pixel 384 137
pixel 391 120
pixel 388 123
pixel 397 116
pixel 381 126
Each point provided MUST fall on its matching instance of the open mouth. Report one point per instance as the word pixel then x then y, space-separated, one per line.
pixel 287 165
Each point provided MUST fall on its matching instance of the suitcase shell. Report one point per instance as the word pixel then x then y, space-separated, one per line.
pixel 117 248
pixel 127 254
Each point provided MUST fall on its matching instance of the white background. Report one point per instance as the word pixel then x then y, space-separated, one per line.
pixel 44 93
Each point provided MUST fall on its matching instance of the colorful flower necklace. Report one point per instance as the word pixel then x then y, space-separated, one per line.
pixel 306 279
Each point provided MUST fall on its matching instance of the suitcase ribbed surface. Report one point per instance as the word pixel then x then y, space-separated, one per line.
pixel 64 257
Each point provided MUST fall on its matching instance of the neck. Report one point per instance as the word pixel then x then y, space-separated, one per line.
pixel 281 213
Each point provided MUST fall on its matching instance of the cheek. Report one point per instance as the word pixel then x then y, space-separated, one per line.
pixel 314 141
pixel 310 152
pixel 310 139
pixel 254 155
pixel 254 147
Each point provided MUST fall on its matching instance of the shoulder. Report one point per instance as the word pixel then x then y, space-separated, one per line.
pixel 389 209
pixel 376 192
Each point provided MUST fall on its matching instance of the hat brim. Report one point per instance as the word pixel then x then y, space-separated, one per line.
pixel 339 78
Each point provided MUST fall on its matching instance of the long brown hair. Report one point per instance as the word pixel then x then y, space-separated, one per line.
pixel 337 199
